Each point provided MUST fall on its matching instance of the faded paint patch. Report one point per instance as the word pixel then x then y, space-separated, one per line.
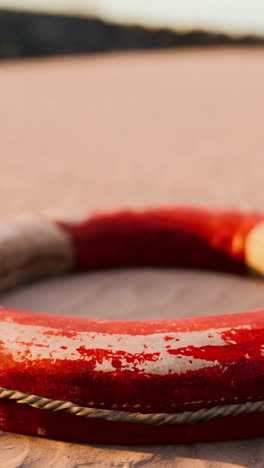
pixel 147 354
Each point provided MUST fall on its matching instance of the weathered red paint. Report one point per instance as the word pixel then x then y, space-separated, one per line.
pixel 146 366
pixel 31 421
pixel 237 376
pixel 176 237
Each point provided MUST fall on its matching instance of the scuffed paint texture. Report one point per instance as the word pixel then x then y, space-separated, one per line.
pixel 203 362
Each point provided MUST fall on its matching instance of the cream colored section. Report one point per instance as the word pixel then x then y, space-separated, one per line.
pixel 254 249
pixel 32 248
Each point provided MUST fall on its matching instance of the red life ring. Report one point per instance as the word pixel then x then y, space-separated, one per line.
pixel 132 382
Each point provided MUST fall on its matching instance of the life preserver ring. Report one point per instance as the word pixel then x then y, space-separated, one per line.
pixel 132 382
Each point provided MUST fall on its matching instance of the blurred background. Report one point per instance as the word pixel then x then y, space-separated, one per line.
pixel 42 27
pixel 110 103
pixel 116 103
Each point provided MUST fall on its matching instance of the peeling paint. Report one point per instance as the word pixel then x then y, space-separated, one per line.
pixel 148 354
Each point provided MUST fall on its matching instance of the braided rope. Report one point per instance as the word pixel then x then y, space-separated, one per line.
pixel 158 419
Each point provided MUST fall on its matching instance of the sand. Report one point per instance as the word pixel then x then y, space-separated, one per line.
pixel 138 129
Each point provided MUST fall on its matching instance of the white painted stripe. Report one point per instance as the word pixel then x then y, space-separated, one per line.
pixel 33 343
pixel 30 248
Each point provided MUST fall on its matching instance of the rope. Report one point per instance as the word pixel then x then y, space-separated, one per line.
pixel 157 419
